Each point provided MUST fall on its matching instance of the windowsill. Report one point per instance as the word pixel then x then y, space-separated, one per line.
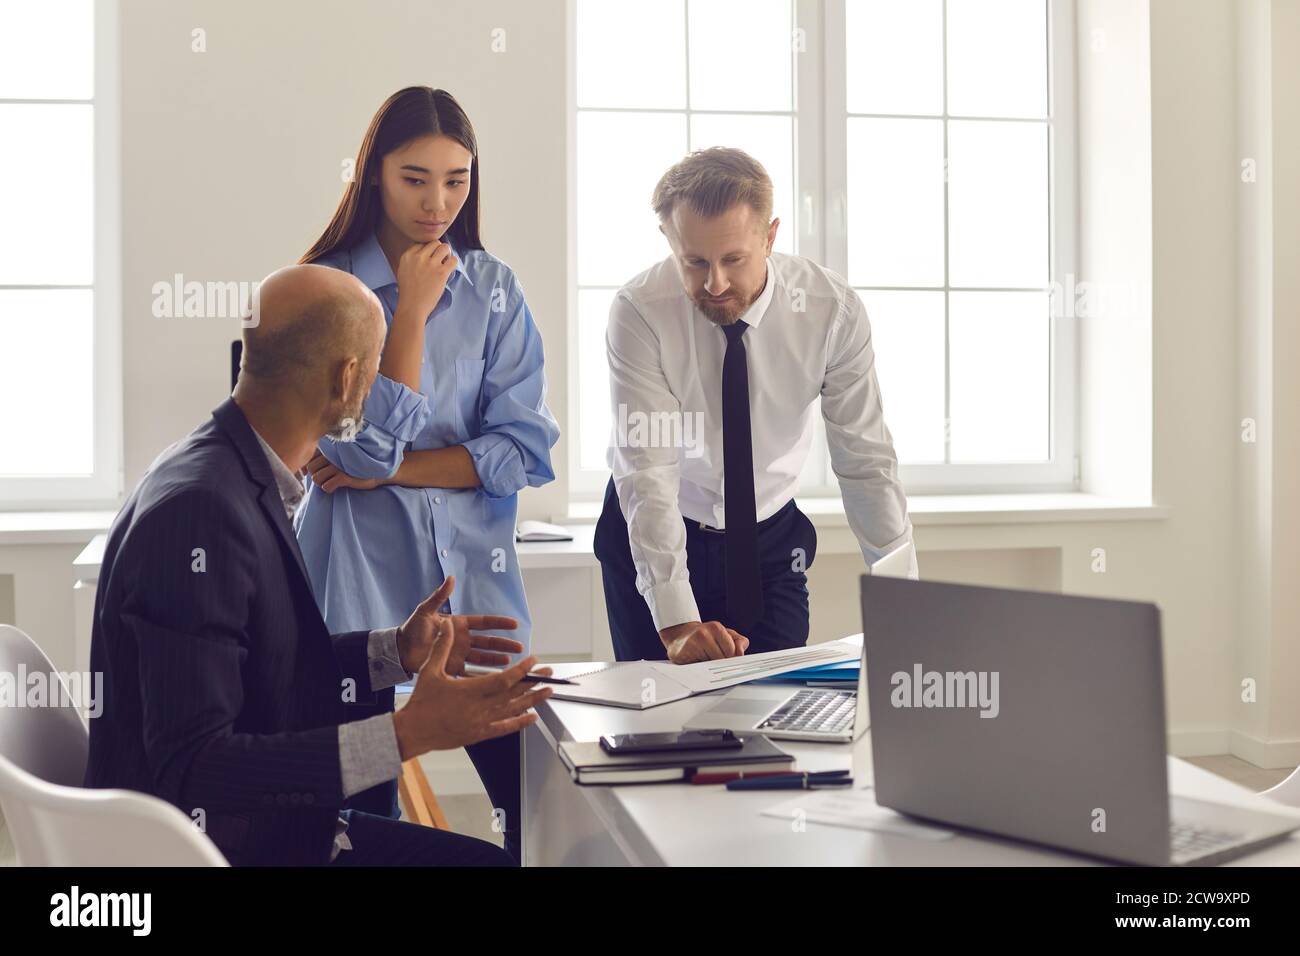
pixel 52 527
pixel 78 527
pixel 939 510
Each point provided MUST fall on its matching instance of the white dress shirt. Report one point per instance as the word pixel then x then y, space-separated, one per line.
pixel 808 337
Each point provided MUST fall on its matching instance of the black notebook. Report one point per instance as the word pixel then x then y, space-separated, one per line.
pixel 589 764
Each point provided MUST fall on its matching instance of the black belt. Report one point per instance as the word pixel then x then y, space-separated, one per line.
pixel 766 521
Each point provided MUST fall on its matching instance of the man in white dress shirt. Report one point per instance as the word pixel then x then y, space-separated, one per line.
pixel 717 356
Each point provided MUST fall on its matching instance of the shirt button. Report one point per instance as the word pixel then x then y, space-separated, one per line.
pixel 445 552
pixel 437 500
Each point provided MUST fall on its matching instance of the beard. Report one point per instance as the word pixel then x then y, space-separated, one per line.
pixel 350 423
pixel 725 313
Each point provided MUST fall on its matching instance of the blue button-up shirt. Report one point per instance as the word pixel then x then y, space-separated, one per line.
pixel 374 555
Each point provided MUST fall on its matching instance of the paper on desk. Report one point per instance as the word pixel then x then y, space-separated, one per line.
pixel 712 675
pixel 856 809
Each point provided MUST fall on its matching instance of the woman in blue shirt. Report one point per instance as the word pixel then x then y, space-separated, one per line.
pixel 456 422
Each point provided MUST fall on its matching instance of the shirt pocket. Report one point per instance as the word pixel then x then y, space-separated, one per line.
pixel 469 388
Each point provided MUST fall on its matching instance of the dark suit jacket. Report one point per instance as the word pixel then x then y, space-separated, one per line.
pixel 223 690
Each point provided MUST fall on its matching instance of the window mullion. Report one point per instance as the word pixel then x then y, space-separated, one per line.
pixel 834 146
pixel 947 290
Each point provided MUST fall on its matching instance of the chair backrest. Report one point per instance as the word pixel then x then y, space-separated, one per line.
pixel 51 819
pixel 1287 792
pixel 53 825
pixel 49 741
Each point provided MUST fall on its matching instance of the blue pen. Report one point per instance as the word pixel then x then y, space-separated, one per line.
pixel 795 781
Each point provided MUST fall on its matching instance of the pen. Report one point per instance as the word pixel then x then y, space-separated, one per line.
pixel 796 781
pixel 474 670
pixel 704 778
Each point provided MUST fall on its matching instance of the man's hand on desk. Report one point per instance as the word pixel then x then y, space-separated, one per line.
pixel 415 638
pixel 446 712
pixel 702 641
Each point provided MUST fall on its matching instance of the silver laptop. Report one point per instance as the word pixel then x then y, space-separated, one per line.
pixel 1036 716
pixel 809 714
pixel 837 715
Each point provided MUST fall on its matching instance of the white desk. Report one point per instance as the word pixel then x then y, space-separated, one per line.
pixel 684 825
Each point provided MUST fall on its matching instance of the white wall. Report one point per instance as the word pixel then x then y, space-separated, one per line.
pixel 1255 347
pixel 1115 254
pixel 1284 567
pixel 1268 340
pixel 231 165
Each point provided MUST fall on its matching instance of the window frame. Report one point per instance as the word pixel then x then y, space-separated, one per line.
pixel 105 482
pixel 820 130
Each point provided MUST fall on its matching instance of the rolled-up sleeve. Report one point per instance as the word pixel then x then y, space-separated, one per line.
pixel 516 429
pixel 861 448
pixel 394 416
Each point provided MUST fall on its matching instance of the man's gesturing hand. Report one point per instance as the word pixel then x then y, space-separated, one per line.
pixel 444 712
pixel 707 641
pixel 415 637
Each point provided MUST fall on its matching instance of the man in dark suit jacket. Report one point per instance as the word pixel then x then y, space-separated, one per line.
pixel 223 691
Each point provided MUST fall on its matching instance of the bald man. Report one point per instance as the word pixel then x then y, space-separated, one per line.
pixel 224 692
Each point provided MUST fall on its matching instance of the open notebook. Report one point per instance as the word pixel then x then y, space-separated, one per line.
pixel 541 531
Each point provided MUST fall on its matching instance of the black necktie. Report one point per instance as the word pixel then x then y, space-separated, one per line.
pixel 744 579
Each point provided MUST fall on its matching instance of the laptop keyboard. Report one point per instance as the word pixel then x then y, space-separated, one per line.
pixel 1188 841
pixel 816 712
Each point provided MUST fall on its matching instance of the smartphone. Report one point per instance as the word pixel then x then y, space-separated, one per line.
pixel 686 740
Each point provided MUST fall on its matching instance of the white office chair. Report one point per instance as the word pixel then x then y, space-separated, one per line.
pixel 49 742
pixel 51 819
pixel 1287 792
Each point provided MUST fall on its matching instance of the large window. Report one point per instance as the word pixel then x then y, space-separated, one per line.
pixel 921 148
pixel 58 258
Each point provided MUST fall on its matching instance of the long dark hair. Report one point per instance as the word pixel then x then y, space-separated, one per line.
pixel 407 114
